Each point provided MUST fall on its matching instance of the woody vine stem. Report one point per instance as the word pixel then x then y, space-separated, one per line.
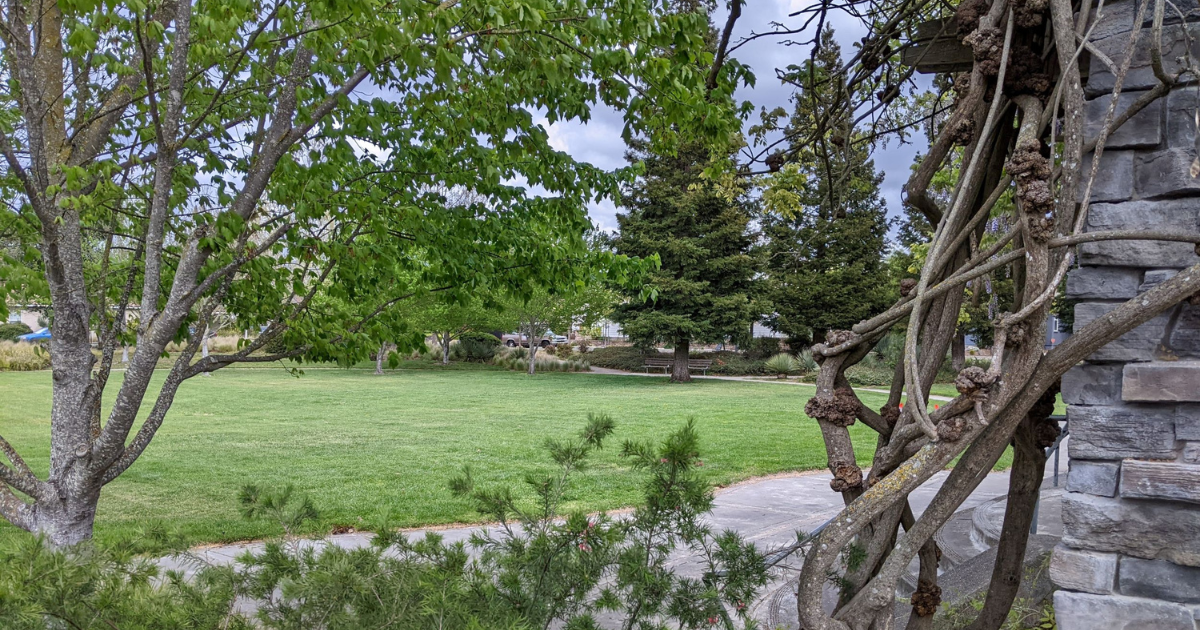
pixel 1016 124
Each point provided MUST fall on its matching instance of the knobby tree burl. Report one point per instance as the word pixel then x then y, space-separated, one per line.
pixel 284 164
pixel 1014 122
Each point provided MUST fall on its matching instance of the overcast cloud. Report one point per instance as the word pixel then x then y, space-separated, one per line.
pixel 599 141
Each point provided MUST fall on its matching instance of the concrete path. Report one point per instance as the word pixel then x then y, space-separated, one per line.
pixel 745 379
pixel 767 511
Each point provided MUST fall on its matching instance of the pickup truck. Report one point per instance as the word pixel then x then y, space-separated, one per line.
pixel 512 340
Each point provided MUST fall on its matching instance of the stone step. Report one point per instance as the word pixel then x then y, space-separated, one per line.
pixel 974 531
pixel 987 520
pixel 967 582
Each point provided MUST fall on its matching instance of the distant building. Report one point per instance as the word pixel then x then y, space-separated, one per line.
pixel 32 316
pixel 1056 332
pixel 610 330
pixel 759 329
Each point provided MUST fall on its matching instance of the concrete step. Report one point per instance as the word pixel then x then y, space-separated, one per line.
pixel 966 583
pixel 973 531
pixel 987 520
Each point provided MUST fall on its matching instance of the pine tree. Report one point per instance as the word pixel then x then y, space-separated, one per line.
pixel 706 284
pixel 825 222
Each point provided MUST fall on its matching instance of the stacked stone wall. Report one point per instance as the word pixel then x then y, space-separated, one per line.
pixel 1130 555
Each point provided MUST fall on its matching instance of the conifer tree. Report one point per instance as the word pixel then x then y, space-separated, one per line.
pixel 825 222
pixel 705 286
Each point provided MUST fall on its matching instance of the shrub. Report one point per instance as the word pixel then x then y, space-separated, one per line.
pixel 93 587
pixel 891 347
pixel 11 330
pixel 806 361
pixel 762 347
pixel 517 359
pixel 555 570
pixel 476 349
pixel 561 570
pixel 626 358
pixel 979 362
pixel 23 357
pixel 727 363
pixel 870 375
pixel 782 365
pixel 484 338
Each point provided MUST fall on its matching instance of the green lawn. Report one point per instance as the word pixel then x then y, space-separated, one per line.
pixel 361 444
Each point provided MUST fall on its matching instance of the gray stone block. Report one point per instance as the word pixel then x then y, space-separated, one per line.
pixel 1143 130
pixel 1092 384
pixel 1191 452
pixel 1165 173
pixel 1114 179
pixel 1140 344
pixel 1184 341
pixel 1158 579
pixel 1155 277
pixel 1120 432
pixel 1103 283
pixel 1170 215
pixel 1161 480
pixel 1098 478
pixel 1155 530
pixel 1117 19
pixel 1084 611
pixel 1087 571
pixel 1181 118
pixel 1187 422
pixel 1161 381
pixel 1113 41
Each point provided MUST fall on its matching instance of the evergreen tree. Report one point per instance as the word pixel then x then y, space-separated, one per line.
pixel 825 223
pixel 705 287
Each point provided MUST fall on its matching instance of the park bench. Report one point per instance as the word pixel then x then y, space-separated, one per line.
pixel 665 364
pixel 657 363
pixel 700 364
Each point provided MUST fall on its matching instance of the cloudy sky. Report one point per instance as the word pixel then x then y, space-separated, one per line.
pixel 599 141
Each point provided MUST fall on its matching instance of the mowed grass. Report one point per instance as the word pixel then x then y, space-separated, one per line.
pixel 362 445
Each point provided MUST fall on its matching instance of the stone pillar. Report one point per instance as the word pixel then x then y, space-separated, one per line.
pixel 1130 554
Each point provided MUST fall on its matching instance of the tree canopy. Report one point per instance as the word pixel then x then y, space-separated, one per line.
pixel 287 164
pixel 824 221
pixel 705 288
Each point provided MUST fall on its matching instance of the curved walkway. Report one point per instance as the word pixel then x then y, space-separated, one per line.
pixel 746 379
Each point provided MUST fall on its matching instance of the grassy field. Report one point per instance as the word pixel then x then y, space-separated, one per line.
pixel 361 444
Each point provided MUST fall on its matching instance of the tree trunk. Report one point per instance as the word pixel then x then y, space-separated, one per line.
pixel 958 352
pixel 68 521
pixel 679 371
pixel 204 349
pixel 379 358
pixel 1029 464
pixel 445 341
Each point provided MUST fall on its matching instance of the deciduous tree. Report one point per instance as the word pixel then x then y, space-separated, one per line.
pixel 283 161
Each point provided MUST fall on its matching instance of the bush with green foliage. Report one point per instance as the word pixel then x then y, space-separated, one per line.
pixel 806 361
pixel 761 348
pixel 627 358
pixel 111 587
pixel 11 330
pixel 782 365
pixel 568 568
pixel 473 347
pixel 484 338
pixel 726 363
pixel 540 568
pixel 517 359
